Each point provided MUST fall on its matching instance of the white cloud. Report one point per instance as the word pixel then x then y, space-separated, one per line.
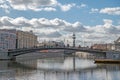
pixel 58 28
pixel 37 5
pixel 111 11
pixel 4 6
pixel 94 10
pixel 66 7
pixel 81 5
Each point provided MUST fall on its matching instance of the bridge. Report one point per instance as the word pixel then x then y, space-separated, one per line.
pixel 10 54
pixel 17 52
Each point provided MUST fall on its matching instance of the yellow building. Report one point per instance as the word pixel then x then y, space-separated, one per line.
pixel 26 39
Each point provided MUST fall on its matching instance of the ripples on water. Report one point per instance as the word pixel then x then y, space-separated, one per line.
pixel 61 68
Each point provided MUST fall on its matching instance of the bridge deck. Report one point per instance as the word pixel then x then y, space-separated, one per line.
pixel 17 52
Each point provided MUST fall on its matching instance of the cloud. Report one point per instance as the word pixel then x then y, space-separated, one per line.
pixel 37 5
pixel 50 28
pixel 60 29
pixel 75 27
pixel 4 6
pixel 66 7
pixel 94 10
pixel 81 5
pixel 111 11
pixel 54 35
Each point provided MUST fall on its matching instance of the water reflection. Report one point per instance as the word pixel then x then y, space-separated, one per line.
pixel 58 69
pixel 65 64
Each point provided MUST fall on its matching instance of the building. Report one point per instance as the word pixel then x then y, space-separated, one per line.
pixel 52 44
pixel 99 46
pixel 105 47
pixel 110 46
pixel 24 39
pixel 7 40
pixel 117 44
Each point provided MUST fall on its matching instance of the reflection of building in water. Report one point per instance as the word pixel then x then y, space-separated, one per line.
pixel 87 55
pixel 102 73
pixel 7 75
pixel 23 67
pixel 85 70
pixel 65 64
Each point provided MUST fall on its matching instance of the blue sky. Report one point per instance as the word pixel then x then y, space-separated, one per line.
pixel 85 17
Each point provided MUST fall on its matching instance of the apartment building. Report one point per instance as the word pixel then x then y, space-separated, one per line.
pixel 7 40
pixel 24 39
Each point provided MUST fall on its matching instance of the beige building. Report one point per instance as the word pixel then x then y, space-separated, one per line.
pixel 26 39
pixel 108 46
pixel 23 39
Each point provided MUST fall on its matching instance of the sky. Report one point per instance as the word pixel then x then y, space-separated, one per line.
pixel 93 21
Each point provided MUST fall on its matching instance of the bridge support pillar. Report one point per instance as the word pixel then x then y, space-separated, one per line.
pixel 4 55
pixel 13 58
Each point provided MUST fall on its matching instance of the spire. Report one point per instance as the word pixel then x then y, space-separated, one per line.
pixel 74 37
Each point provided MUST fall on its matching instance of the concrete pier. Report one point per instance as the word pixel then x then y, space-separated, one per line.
pixel 4 55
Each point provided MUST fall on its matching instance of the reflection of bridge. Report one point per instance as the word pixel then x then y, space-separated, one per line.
pixel 95 68
pixel 12 53
pixel 26 68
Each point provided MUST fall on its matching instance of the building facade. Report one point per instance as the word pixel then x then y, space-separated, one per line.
pixel 7 40
pixel 23 39
pixel 51 44
pixel 105 47
pixel 117 44
pixel 26 39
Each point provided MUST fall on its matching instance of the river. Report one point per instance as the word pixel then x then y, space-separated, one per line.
pixel 57 68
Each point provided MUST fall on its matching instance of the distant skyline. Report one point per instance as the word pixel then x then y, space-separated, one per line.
pixel 95 21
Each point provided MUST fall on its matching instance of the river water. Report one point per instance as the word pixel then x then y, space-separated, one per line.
pixel 57 68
